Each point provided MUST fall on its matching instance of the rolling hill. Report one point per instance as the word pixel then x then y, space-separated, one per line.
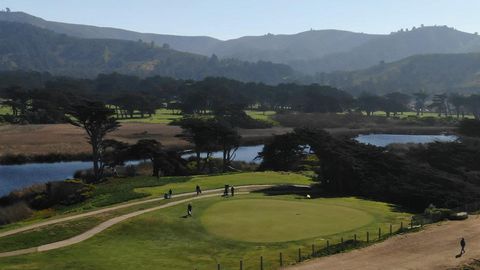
pixel 309 52
pixel 433 73
pixel 180 43
pixel 26 47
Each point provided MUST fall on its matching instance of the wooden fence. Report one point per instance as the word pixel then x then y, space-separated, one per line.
pixel 330 247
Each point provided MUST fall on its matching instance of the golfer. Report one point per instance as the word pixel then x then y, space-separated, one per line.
pixel 199 191
pixel 189 210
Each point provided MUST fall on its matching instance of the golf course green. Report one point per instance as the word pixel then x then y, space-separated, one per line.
pixel 271 220
pixel 221 230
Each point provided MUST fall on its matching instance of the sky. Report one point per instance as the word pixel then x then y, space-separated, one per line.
pixel 227 19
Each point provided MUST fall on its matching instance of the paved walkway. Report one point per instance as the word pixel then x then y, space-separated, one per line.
pixel 113 221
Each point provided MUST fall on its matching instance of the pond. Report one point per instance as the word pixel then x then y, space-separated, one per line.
pixel 386 139
pixel 14 177
pixel 18 176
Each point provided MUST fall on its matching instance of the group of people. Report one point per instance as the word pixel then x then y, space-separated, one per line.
pixel 229 190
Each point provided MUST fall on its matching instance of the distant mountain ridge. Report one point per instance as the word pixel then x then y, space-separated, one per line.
pixel 194 44
pixel 432 73
pixel 309 52
pixel 27 47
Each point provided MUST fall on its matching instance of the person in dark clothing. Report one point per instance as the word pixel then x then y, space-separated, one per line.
pixel 232 191
pixel 462 244
pixel 189 210
pixel 170 194
pixel 225 192
pixel 199 191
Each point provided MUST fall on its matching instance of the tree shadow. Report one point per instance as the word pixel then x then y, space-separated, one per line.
pixel 313 191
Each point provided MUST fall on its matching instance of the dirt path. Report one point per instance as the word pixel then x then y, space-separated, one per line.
pixel 111 222
pixel 435 247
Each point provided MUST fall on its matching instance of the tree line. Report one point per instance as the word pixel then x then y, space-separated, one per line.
pixel 444 174
pixel 206 135
pixel 134 97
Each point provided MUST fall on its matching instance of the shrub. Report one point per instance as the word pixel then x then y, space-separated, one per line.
pixel 14 212
pixel 437 214
pixel 130 171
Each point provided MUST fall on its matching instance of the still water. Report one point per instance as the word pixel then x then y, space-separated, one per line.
pixel 18 176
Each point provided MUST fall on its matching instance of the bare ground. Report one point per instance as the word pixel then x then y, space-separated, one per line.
pixel 436 247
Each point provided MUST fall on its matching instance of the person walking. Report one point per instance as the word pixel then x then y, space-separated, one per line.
pixel 225 192
pixel 189 210
pixel 462 244
pixel 232 191
pixel 199 191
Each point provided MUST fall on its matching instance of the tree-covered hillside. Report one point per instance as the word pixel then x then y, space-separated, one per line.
pixel 436 73
pixel 25 47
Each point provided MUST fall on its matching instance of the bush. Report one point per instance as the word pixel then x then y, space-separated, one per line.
pixel 437 214
pixel 130 171
pixel 14 213
pixel 50 194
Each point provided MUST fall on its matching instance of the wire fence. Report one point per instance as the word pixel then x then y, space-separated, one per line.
pixel 329 247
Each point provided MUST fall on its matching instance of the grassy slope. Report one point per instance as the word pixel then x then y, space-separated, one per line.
pixel 163 239
pixel 164 116
pixel 123 190
pixel 281 220
pixel 236 179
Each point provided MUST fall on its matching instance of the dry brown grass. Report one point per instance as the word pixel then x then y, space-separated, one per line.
pixel 33 140
pixel 65 138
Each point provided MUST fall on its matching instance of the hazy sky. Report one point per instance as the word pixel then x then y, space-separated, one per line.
pixel 226 19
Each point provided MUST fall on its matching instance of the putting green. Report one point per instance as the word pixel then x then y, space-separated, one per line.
pixel 273 220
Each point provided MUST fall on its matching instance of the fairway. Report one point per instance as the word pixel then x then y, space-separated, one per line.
pixel 270 220
pixel 259 225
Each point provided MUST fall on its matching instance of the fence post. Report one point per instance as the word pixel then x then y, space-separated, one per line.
pixel 401 226
pixel 313 250
pixel 390 229
pixel 299 255
pixel 281 259
pixel 218 266
pixel 341 243
pixel 368 237
pixel 411 223
pixel 261 262
pixel 328 246
pixel 355 239
pixel 379 233
pixel 241 265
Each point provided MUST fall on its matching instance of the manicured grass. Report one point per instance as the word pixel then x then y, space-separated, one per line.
pixel 279 220
pixel 165 240
pixel 161 116
pixel 122 190
pixel 68 229
pixel 5 110
pixel 49 234
pixel 264 116
pixel 164 116
pixel 236 179
pixel 414 114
